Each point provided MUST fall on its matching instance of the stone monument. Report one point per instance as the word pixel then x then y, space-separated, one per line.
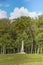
pixel 22 48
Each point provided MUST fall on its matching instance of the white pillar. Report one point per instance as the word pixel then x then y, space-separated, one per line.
pixel 22 47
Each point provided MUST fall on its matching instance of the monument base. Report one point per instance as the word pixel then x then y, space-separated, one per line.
pixel 21 53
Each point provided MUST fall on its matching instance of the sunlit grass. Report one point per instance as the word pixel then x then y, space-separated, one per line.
pixel 21 59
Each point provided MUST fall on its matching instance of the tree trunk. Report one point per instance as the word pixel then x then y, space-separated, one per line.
pixel 4 50
pixel 8 51
pixel 18 50
pixel 41 49
pixel 31 48
pixel 38 49
pixel 35 49
pixel 14 50
pixel 1 50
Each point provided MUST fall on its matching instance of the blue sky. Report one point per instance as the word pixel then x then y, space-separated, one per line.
pixel 30 5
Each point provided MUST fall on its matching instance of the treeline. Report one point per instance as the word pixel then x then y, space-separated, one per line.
pixel 21 29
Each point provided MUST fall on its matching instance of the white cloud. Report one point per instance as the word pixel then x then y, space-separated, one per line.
pixel 34 14
pixel 3 14
pixel 23 12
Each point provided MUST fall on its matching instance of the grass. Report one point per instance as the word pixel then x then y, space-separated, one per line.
pixel 21 59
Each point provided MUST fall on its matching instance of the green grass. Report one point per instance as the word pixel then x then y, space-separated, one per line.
pixel 21 59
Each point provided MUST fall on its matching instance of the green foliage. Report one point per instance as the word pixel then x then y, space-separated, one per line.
pixel 23 28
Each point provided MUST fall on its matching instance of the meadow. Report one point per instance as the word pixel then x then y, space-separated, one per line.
pixel 21 59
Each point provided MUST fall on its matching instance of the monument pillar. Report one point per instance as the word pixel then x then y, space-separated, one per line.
pixel 22 47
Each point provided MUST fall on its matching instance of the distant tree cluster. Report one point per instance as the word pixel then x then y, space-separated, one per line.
pixel 21 29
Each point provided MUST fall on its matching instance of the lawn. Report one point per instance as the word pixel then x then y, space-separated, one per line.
pixel 21 59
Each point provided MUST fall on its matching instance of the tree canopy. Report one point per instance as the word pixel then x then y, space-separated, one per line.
pixel 23 28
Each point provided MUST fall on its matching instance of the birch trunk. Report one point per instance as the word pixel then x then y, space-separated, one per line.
pixel 4 50
pixel 31 48
pixel 1 50
pixel 41 49
pixel 14 50
pixel 38 49
pixel 35 49
pixel 18 50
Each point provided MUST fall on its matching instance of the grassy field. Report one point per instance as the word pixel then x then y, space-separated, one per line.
pixel 21 59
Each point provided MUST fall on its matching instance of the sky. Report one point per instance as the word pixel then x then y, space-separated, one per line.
pixel 15 8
